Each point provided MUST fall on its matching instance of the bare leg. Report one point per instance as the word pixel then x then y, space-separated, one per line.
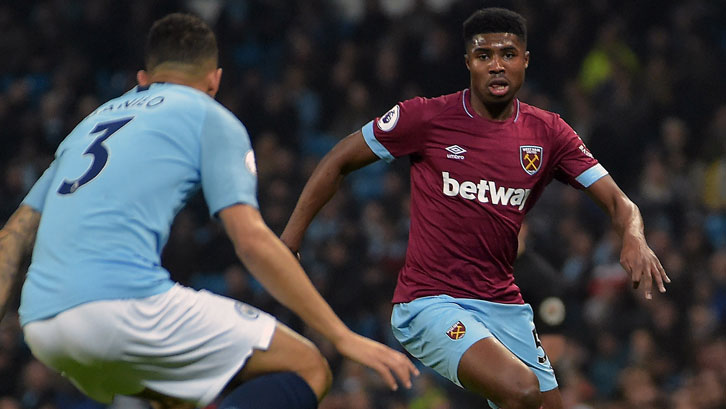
pixel 491 370
pixel 552 399
pixel 290 351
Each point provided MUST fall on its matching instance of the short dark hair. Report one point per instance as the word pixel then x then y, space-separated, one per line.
pixel 495 20
pixel 180 38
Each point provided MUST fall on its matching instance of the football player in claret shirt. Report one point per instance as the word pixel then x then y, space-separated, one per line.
pixel 480 158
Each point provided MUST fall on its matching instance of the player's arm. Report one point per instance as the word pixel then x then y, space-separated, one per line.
pixel 272 264
pixel 16 242
pixel 636 256
pixel 349 154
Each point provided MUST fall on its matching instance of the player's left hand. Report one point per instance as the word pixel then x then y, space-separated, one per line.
pixel 639 260
pixel 384 360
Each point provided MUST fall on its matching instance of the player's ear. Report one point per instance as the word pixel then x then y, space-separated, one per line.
pixel 213 81
pixel 526 59
pixel 143 78
pixel 466 61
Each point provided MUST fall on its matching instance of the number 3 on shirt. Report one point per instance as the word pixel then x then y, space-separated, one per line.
pixel 99 152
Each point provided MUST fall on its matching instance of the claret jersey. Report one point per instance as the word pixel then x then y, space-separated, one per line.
pixel 472 182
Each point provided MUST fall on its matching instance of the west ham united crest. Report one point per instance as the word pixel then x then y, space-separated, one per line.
pixel 531 158
pixel 457 331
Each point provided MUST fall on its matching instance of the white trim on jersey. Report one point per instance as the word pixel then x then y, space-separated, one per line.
pixel 463 103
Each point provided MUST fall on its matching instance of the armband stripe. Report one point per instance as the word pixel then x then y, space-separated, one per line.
pixel 591 175
pixel 373 143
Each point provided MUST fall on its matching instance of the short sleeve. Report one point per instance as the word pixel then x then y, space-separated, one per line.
pixel 576 165
pixel 228 170
pixel 36 197
pixel 399 131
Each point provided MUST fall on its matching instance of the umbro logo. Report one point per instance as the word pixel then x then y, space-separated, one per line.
pixel 455 152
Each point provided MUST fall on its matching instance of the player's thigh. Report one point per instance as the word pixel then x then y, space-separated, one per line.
pixel 552 399
pixel 490 369
pixel 513 326
pixel 289 351
pixel 437 331
pixel 440 330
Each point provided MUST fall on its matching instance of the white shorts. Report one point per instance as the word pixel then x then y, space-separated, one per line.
pixel 182 343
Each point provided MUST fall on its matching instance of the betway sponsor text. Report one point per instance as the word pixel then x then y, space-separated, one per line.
pixel 485 191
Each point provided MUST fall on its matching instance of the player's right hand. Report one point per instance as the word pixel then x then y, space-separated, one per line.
pixel 639 260
pixel 384 360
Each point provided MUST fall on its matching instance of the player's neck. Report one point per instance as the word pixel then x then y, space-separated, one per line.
pixel 495 112
pixel 180 78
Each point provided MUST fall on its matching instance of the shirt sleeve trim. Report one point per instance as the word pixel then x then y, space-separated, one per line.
pixel 373 143
pixel 592 175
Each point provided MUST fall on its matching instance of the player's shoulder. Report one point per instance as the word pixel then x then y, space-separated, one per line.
pixel 170 105
pixel 185 97
pixel 217 111
pixel 193 100
pixel 438 102
pixel 431 107
pixel 537 117
pixel 154 98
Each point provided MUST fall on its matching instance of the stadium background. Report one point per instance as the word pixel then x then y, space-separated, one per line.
pixel 640 81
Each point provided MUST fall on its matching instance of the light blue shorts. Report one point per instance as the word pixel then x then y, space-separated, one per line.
pixel 439 329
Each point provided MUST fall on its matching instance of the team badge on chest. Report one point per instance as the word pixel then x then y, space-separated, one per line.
pixel 456 331
pixel 531 158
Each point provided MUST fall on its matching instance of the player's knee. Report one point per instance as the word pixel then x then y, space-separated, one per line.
pixel 525 394
pixel 530 399
pixel 315 371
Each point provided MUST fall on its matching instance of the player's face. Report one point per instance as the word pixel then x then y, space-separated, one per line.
pixel 496 63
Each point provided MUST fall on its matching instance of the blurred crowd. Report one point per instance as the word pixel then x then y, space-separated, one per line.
pixel 640 81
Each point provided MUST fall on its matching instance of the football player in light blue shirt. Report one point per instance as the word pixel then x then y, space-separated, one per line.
pixel 107 203
pixel 116 184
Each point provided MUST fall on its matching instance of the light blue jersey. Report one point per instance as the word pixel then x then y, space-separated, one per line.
pixel 118 180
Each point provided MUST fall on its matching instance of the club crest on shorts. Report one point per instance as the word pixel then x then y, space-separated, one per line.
pixel 457 331
pixel 531 158
pixel 246 311
pixel 389 120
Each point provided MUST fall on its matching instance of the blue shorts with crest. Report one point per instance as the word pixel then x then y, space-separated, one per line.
pixel 439 329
